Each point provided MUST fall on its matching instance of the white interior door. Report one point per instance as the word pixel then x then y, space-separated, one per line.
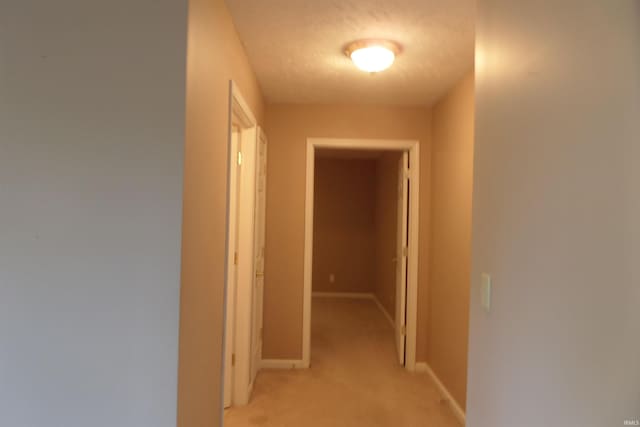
pixel 246 269
pixel 234 188
pixel 243 152
pixel 258 289
pixel 402 252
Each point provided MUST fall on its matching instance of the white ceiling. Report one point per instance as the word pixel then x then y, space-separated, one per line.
pixel 296 48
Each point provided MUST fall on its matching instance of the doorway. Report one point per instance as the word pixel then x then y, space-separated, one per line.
pixel 244 278
pixel 405 318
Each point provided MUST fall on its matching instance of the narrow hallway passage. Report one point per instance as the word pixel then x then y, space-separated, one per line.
pixel 354 379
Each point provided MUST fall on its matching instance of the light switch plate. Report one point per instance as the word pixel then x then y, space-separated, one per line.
pixel 485 295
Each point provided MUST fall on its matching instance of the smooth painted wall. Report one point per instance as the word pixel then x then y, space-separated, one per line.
pixel 288 127
pixel 91 162
pixel 386 228
pixel 215 56
pixel 452 126
pixel 344 226
pixel 556 215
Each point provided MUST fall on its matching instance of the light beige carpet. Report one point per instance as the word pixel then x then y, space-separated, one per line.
pixel 354 379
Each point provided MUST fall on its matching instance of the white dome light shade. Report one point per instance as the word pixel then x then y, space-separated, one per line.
pixel 372 56
pixel 373 59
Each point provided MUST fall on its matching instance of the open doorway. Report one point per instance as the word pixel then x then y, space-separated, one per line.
pixel 244 279
pixel 359 278
pixel 355 256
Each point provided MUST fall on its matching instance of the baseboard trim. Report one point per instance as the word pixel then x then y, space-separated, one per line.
pixel 282 364
pixel 424 367
pixel 384 311
pixel 352 295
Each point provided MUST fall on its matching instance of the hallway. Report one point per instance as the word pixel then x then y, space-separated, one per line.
pixel 354 379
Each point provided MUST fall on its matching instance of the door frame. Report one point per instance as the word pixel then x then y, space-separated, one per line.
pixel 259 253
pixel 413 147
pixel 237 330
pixel 402 234
pixel 233 180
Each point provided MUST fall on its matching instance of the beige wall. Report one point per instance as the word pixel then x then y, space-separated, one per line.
pixel 556 215
pixel 387 170
pixel 450 245
pixel 344 227
pixel 287 127
pixel 215 55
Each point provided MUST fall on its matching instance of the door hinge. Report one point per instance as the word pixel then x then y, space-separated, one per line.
pixel 405 251
pixel 403 330
pixel 233 360
pixel 235 258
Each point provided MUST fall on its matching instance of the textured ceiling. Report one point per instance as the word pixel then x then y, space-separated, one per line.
pixel 296 48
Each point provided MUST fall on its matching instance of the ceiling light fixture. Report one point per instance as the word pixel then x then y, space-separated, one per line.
pixel 372 56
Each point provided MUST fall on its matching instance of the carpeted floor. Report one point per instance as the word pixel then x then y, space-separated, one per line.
pixel 354 379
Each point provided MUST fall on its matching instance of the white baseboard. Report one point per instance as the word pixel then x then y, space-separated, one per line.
pixel 353 295
pixel 446 396
pixel 384 311
pixel 282 364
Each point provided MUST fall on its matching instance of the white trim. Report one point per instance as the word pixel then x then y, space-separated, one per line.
pixel 412 146
pixel 423 367
pixel 240 108
pixel 308 256
pixel 402 252
pixel 240 115
pixel 245 269
pixel 282 364
pixel 363 144
pixel 412 287
pixel 384 311
pixel 250 388
pixel 230 272
pixel 353 295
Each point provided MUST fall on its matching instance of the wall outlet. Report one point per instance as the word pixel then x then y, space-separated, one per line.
pixel 485 292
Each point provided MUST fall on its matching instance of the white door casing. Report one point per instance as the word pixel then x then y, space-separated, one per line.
pixel 401 256
pixel 246 272
pixel 413 148
pixel 230 292
pixel 240 264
